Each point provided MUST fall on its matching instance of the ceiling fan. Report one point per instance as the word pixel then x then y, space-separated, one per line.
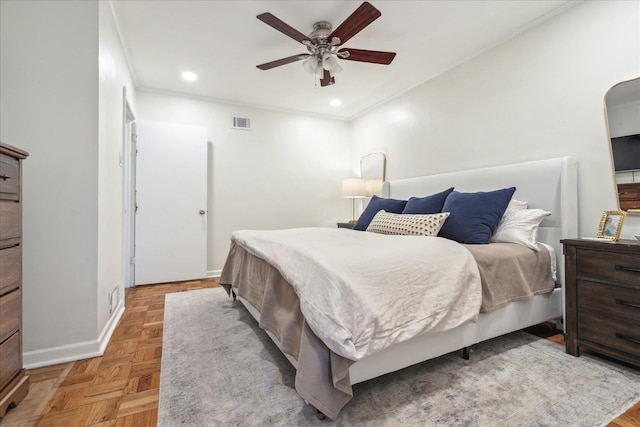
pixel 324 44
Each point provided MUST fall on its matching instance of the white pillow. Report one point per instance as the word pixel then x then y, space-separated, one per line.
pixel 517 204
pixel 407 224
pixel 520 226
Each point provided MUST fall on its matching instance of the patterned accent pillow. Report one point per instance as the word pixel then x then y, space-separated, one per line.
pixel 407 224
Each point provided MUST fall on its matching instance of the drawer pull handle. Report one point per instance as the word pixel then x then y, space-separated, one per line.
pixel 5 177
pixel 623 268
pixel 628 304
pixel 622 337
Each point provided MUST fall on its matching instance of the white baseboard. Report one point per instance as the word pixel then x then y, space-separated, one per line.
pixel 76 351
pixel 214 273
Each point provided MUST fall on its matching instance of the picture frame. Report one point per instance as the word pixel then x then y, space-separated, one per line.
pixel 611 225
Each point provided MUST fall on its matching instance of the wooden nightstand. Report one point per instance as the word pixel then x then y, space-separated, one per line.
pixel 346 225
pixel 602 298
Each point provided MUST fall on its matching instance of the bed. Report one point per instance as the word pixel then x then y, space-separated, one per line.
pixel 264 276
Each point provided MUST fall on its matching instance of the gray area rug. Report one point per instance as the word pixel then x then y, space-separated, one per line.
pixel 220 368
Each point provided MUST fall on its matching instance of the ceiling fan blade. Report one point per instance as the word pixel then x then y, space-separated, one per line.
pixel 363 16
pixel 374 56
pixel 283 61
pixel 281 26
pixel 326 79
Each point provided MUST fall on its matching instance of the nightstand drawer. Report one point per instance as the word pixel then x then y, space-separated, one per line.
pixel 615 333
pixel 609 266
pixel 615 301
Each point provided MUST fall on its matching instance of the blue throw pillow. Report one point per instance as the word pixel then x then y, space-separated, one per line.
pixel 427 205
pixel 375 205
pixel 473 217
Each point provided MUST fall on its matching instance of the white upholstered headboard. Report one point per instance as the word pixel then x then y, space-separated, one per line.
pixel 550 184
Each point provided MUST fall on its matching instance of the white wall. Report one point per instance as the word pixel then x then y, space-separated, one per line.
pixel 286 172
pixel 61 76
pixel 49 84
pixel 537 96
pixel 113 76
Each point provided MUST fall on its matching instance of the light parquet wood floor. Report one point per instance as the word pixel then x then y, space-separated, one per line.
pixel 121 387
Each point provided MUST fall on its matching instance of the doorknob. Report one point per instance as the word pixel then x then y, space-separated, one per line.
pixel 202 212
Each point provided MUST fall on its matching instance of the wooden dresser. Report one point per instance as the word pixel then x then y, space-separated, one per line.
pixel 14 384
pixel 603 298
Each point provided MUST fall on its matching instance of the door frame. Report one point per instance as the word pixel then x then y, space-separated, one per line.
pixel 129 192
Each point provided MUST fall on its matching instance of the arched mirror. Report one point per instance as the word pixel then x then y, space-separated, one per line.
pixel 372 170
pixel 622 113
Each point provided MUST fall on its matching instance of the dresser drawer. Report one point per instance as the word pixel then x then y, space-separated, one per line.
pixel 10 268
pixel 615 333
pixel 10 359
pixel 10 314
pixel 609 300
pixel 10 220
pixel 9 178
pixel 609 266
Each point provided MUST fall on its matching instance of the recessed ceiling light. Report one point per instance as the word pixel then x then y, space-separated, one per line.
pixel 188 75
pixel 335 103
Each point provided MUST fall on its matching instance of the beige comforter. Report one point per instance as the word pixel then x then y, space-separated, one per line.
pixel 362 292
pixel 322 377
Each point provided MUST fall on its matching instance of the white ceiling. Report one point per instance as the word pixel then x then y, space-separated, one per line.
pixel 222 42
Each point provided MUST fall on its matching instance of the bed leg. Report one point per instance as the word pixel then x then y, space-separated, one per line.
pixel 466 353
pixel 234 295
pixel 319 415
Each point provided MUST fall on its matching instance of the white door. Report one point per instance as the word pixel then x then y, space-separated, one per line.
pixel 171 220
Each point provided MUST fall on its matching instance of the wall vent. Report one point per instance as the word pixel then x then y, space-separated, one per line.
pixel 243 123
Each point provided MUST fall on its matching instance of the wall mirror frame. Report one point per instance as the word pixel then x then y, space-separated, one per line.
pixel 373 170
pixel 622 118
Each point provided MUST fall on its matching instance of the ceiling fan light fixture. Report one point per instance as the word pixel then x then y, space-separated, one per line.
pixel 330 63
pixel 311 65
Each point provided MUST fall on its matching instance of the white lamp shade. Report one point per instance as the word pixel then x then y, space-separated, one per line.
pixel 353 188
pixel 373 187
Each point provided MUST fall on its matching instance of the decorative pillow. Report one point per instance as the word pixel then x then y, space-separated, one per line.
pixel 427 205
pixel 407 224
pixel 517 204
pixel 520 226
pixel 378 204
pixel 474 216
